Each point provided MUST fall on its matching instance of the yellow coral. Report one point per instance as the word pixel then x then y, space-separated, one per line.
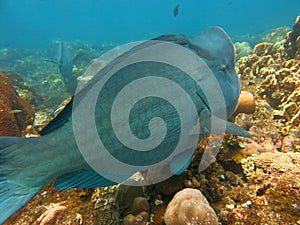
pixel 279 80
pixel 264 48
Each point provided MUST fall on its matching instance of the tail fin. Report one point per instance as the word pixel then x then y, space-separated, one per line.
pixel 12 198
pixel 13 194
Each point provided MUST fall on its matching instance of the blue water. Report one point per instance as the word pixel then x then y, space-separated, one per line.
pixel 34 23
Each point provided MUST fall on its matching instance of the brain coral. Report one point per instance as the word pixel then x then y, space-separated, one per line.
pixel 188 207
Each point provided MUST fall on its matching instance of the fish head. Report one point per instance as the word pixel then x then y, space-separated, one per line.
pixel 217 50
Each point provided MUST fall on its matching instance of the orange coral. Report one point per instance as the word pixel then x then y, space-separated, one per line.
pixel 246 104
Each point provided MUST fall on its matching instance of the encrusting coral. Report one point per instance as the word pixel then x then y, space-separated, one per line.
pixel 15 113
pixel 189 206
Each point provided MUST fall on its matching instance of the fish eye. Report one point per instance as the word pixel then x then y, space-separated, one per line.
pixel 223 67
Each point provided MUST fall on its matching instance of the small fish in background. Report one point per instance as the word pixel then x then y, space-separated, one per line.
pixel 57 111
pixel 229 2
pixel 14 111
pixel 64 61
pixel 65 65
pixel 176 10
pixel 6 45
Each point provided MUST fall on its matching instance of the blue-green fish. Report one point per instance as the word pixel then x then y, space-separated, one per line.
pixel 65 66
pixel 64 61
pixel 67 149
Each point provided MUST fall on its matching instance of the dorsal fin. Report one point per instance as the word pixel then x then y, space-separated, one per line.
pixel 59 120
pixel 180 39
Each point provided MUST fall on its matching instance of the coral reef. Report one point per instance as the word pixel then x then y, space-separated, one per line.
pixel 292 45
pixel 15 113
pixel 275 35
pixel 39 70
pixel 126 196
pixel 83 206
pixel 242 49
pixel 139 204
pixel 272 189
pixel 139 219
pixel 279 81
pixel 189 206
pixel 171 185
pixel 131 203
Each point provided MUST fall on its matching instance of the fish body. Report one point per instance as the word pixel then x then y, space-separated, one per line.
pixel 27 165
pixel 65 65
pixel 65 62
pixel 176 10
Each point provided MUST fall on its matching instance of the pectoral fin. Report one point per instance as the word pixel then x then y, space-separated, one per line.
pixel 220 126
pixel 234 129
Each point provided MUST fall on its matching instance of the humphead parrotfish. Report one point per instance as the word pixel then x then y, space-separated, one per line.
pixel 67 149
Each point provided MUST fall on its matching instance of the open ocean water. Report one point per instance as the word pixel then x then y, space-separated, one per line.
pixel 34 23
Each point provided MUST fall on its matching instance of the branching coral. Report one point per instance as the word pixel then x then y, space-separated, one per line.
pixel 279 78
